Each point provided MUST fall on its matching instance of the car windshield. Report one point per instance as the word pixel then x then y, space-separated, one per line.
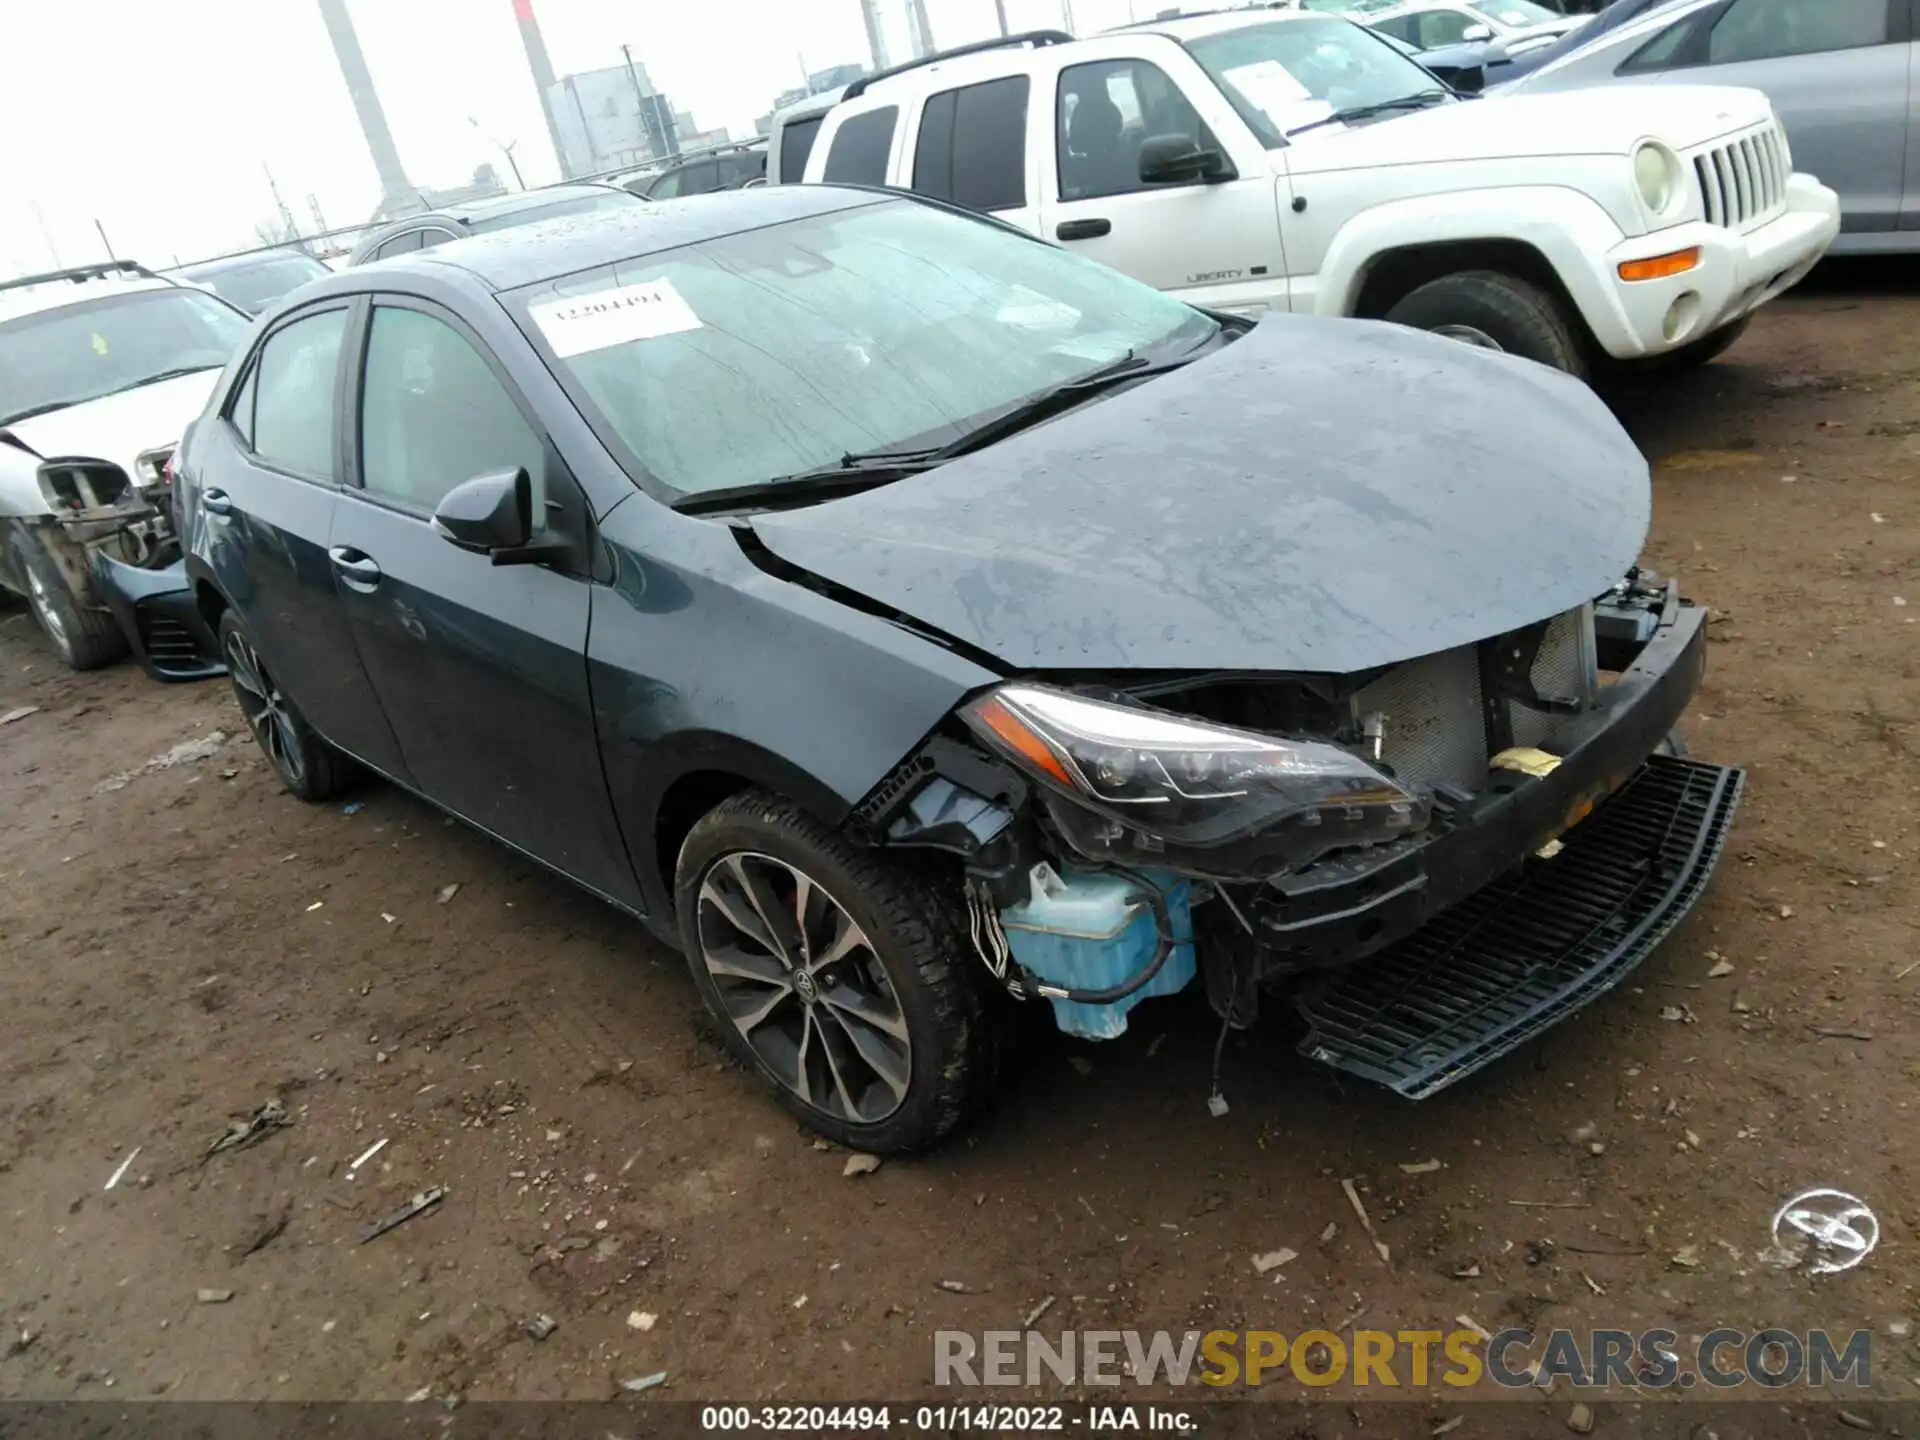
pixel 55 358
pixel 554 209
pixel 1516 12
pixel 781 350
pixel 1290 73
pixel 256 285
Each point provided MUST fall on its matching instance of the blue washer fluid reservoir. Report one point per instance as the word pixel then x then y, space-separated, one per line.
pixel 1090 931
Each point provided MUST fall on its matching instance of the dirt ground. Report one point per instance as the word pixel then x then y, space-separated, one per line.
pixel 181 943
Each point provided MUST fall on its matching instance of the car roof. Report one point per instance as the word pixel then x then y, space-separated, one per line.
pixel 58 292
pixel 494 206
pixel 547 249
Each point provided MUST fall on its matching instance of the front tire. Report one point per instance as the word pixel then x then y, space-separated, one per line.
pixel 837 973
pixel 308 766
pixel 1496 312
pixel 86 638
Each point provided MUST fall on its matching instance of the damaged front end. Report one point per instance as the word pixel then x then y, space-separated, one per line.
pixel 1437 859
pixel 124 537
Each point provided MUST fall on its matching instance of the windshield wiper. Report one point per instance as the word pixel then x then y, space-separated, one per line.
pixel 163 375
pixel 1419 100
pixel 865 470
pixel 33 410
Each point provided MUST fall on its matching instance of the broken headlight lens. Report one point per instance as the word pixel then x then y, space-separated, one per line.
pixel 1129 785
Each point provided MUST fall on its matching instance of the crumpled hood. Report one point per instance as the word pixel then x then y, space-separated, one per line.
pixel 1518 124
pixel 119 427
pixel 1321 495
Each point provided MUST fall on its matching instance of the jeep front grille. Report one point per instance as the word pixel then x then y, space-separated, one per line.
pixel 1744 180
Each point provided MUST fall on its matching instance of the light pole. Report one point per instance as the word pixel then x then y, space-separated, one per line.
pixel 505 149
pixel 1000 14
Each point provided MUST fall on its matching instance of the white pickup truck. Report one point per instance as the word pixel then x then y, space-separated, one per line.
pixel 1275 160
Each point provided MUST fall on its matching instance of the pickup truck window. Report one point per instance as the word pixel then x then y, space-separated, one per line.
pixel 1106 108
pixel 973 145
pixel 860 146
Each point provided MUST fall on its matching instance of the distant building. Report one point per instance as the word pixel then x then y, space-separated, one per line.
pixel 614 118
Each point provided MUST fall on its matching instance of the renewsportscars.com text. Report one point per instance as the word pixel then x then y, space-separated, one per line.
pixel 1390 1359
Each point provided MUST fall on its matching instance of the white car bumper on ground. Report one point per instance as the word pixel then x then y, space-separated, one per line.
pixel 1736 272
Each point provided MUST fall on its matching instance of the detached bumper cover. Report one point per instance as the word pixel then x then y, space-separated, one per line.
pixel 1539 943
pixel 160 618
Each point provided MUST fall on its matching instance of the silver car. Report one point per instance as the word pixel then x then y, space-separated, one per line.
pixel 1844 75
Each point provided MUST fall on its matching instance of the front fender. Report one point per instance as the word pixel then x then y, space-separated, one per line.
pixel 1570 228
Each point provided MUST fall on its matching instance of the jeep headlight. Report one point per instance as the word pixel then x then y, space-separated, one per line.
pixel 1656 175
pixel 1129 785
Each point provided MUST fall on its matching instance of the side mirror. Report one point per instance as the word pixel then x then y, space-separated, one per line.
pixel 1172 159
pixel 1474 34
pixel 1462 79
pixel 492 515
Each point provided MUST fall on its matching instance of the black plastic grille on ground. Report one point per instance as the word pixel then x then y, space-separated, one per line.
pixel 1533 946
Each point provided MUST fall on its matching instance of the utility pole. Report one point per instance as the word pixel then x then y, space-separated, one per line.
pixel 870 13
pixel 46 234
pixel 507 148
pixel 1066 14
pixel 922 28
pixel 104 241
pixel 1000 14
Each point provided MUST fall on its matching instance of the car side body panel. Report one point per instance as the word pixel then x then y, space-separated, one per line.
pixel 813 698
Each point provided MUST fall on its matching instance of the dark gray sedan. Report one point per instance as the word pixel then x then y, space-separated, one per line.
pixel 907 619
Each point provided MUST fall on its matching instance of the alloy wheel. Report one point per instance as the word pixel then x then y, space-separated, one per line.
pixel 46 611
pixel 1469 335
pixel 267 711
pixel 804 986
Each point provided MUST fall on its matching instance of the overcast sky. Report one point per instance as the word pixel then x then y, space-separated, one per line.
pixel 161 121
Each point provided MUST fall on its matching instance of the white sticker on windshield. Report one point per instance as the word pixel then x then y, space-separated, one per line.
pixel 1268 85
pixel 578 324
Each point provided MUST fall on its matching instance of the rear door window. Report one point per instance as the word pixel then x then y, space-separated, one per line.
pixel 1775 29
pixel 295 404
pixel 860 148
pixel 972 145
pixel 401 244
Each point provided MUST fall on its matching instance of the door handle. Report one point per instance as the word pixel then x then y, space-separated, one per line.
pixel 215 502
pixel 355 567
pixel 1082 229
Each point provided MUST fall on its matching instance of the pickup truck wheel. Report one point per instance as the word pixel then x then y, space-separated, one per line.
pixel 837 973
pixel 1496 312
pixel 86 638
pixel 306 764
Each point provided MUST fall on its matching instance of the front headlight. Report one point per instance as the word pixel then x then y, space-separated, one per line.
pixel 1656 175
pixel 1129 785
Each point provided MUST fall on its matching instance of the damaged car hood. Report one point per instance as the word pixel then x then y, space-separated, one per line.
pixel 118 427
pixel 1321 495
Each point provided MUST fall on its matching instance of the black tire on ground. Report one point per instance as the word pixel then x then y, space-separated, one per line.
pixel 309 767
pixel 86 637
pixel 1691 355
pixel 1497 311
pixel 943 1032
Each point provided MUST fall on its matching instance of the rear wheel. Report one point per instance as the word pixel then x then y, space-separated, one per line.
pixel 837 974
pixel 86 638
pixel 1492 311
pixel 306 764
